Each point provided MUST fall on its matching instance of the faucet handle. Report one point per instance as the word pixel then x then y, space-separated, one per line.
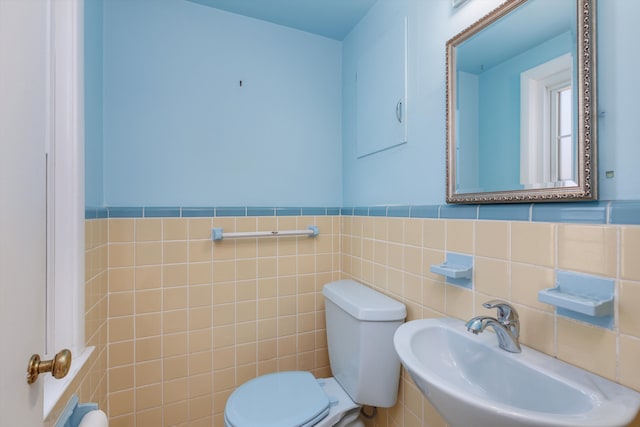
pixel 507 314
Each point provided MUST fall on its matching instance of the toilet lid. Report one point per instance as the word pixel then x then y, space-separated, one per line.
pixel 283 399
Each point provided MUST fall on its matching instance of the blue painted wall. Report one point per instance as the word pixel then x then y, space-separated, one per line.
pixel 415 173
pixel 93 148
pixel 179 129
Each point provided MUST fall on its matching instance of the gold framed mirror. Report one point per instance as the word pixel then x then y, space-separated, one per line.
pixel 521 105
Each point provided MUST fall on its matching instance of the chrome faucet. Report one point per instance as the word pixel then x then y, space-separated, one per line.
pixel 507 325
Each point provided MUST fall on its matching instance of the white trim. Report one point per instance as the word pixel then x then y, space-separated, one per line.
pixel 65 218
pixel 535 125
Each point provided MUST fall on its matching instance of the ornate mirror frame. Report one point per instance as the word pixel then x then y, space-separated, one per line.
pixel 586 162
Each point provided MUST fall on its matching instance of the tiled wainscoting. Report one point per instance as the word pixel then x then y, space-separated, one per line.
pixel 190 319
pixel 90 384
pixel 512 261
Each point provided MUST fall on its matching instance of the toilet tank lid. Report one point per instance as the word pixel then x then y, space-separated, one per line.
pixel 364 303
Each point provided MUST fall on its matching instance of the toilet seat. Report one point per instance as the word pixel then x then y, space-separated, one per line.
pixel 291 399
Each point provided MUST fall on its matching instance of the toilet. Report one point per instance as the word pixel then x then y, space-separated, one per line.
pixel 360 327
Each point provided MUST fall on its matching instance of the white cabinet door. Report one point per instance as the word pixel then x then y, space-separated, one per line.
pixel 382 92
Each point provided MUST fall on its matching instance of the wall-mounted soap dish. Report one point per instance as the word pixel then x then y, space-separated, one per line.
pixel 583 297
pixel 453 271
pixel 458 269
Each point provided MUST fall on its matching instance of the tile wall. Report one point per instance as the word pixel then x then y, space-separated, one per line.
pixel 513 260
pixel 190 319
pixel 90 384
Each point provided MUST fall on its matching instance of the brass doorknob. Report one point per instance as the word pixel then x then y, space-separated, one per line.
pixel 58 366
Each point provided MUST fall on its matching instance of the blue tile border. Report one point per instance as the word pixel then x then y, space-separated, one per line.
pixel 505 212
pixel 158 212
pixel 625 212
pixel 580 212
pixel 600 212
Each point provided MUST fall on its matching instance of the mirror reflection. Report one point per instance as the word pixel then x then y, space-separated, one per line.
pixel 515 127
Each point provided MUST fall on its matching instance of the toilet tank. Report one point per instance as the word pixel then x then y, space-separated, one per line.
pixel 360 327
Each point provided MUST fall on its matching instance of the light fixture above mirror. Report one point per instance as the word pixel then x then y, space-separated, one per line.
pixel 521 105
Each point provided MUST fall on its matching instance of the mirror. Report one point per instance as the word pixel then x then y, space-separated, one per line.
pixel 521 110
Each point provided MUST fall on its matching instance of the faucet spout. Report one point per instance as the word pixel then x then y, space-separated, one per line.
pixel 506 339
pixel 506 326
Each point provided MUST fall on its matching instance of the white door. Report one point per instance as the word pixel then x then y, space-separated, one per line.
pixel 24 129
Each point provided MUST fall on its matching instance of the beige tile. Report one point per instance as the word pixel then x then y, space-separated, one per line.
pixel 459 302
pixel 174 228
pixel 434 233
pixel 149 417
pixel 148 373
pixel 120 353
pixel 629 304
pixel 200 229
pixel 536 329
pixel 200 250
pixel 493 239
pixel 148 253
pixel 201 317
pixel 148 301
pixel 121 329
pixel 224 271
pixel 201 385
pixel 527 280
pixel 175 298
pixel 121 403
pixel 121 255
pixel 533 243
pixel 629 366
pixel 121 230
pixel 148 349
pixel 148 230
pixel 224 336
pixel 591 348
pixel 149 277
pixel 588 248
pixel 121 378
pixel 148 325
pixel 460 235
pixel 174 275
pixel 200 340
pixel 629 250
pixel 174 321
pixel 492 277
pixel 174 345
pixel 175 367
pixel 200 407
pixel 200 296
pixel 433 294
pixel 175 391
pixel 176 414
pixel 148 397
pixel 121 304
pixel 121 279
pixel 200 273
pixel 174 252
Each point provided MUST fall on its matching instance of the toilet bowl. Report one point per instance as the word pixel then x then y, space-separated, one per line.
pixel 360 327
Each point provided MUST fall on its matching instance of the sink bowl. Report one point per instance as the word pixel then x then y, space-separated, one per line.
pixel 474 383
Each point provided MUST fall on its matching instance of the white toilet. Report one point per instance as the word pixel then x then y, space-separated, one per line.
pixel 360 327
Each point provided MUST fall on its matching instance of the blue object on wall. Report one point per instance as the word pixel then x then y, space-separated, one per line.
pixel 458 269
pixel 582 297
pixel 72 413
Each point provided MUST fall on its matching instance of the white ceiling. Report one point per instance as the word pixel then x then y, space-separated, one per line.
pixel 328 18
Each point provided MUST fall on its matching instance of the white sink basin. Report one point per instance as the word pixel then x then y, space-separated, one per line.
pixel 473 383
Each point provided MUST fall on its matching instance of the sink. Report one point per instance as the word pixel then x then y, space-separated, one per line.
pixel 474 383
